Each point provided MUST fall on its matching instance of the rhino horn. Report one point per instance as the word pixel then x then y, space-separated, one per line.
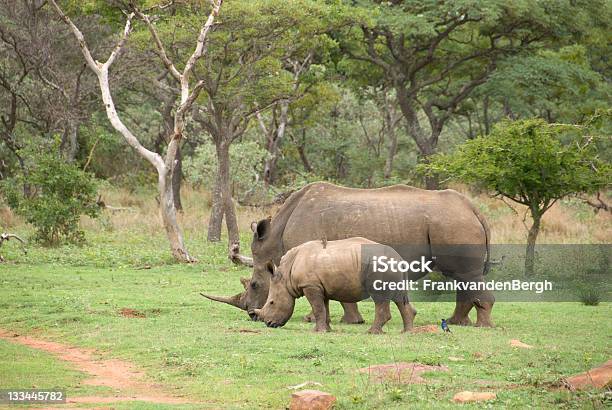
pixel 235 300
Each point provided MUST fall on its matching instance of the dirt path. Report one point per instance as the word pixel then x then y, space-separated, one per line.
pixel 128 383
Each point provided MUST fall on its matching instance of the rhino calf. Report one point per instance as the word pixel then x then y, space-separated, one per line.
pixel 330 271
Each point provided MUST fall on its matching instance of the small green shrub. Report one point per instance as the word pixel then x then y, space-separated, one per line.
pixel 60 193
pixel 590 296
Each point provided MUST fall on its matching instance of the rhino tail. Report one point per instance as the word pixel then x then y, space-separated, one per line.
pixel 487 231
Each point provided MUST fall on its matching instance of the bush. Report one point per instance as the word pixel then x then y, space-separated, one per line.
pixel 59 194
pixel 590 296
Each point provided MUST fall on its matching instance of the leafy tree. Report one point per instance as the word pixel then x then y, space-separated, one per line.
pixel 188 92
pixel 44 90
pixel 558 86
pixel 61 193
pixel 305 115
pixel 436 54
pixel 530 162
pixel 258 60
pixel 246 166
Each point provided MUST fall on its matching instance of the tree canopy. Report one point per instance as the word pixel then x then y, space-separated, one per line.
pixel 530 162
pixel 354 92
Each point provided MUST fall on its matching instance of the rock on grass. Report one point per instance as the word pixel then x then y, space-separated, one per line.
pixel 518 343
pixel 311 400
pixel 468 396
pixel 598 377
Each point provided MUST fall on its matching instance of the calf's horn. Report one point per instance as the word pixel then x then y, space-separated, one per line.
pixel 235 300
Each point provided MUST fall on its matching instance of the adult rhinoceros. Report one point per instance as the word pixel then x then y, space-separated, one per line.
pixel 394 215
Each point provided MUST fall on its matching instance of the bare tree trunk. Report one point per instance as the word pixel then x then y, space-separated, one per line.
pixel 273 145
pixel 531 242
pixel 301 148
pixel 8 137
pixel 231 221
pixel 425 144
pixel 177 178
pixel 392 149
pixel 391 153
pixel 24 170
pixel 431 181
pixel 165 167
pixel 508 113
pixel 485 115
pixel 167 206
pixel 216 213
pixel 304 158
pixel 70 144
pixel 221 191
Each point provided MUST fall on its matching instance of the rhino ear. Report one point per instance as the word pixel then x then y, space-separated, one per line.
pixel 275 273
pixel 261 229
pixel 270 268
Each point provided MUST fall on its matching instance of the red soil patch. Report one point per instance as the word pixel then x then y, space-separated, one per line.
pixel 127 381
pixel 598 377
pixel 405 373
pixel 128 312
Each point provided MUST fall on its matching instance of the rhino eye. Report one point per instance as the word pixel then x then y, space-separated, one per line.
pixel 253 285
pixel 271 302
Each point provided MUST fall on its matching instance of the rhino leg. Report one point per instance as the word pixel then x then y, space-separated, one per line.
pixel 351 314
pixel 484 305
pixel 408 313
pixel 382 316
pixel 462 310
pixel 309 318
pixel 319 306
pixel 327 315
pixel 353 317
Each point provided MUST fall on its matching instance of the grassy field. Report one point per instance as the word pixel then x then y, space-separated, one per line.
pixel 216 357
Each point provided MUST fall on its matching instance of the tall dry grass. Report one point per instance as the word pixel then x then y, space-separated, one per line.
pixel 566 222
pixel 140 213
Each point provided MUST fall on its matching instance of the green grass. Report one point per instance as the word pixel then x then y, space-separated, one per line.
pixel 73 295
pixel 30 369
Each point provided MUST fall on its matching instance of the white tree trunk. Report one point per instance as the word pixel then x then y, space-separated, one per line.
pixel 168 215
pixel 165 167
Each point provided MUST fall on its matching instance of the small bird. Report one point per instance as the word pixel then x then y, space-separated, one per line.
pixel 445 326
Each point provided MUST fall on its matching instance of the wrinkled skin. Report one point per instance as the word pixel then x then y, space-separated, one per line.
pixel 328 272
pixel 392 215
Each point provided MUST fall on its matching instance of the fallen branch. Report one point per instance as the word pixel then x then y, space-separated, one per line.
pixel 237 258
pixel 6 237
pixel 100 202
pixel 598 205
pixel 118 208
